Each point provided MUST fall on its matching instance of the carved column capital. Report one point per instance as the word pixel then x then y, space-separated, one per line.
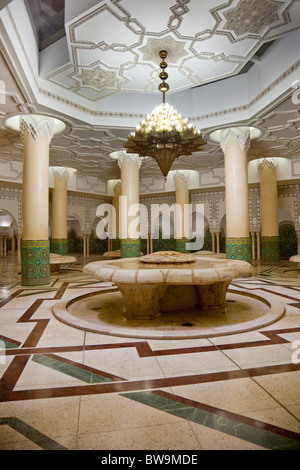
pixel 181 174
pixel 36 125
pixel 239 135
pixel 130 158
pixel 61 172
pixel 267 162
pixel 117 185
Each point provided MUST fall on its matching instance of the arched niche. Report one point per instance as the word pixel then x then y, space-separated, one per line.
pixel 287 234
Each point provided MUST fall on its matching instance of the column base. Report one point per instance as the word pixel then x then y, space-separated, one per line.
pixel 239 248
pixel 116 244
pixel 269 247
pixel 35 262
pixel 130 248
pixel 181 245
pixel 59 246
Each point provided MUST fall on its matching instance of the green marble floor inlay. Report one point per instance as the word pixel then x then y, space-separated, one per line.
pixel 7 344
pixel 70 370
pixel 32 434
pixel 255 434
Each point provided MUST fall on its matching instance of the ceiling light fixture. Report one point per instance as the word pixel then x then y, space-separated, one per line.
pixel 165 135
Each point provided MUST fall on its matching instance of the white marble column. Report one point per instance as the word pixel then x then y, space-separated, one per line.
pixel 235 143
pixel 267 168
pixel 258 245
pixel 115 243
pixel 298 241
pixel 129 199
pixel 253 246
pixel 182 216
pixel 86 244
pixel 213 241
pixel 59 242
pixel 218 242
pixel 19 239
pixel 37 132
pixel 13 243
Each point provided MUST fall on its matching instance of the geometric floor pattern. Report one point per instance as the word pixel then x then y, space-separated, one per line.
pixel 66 389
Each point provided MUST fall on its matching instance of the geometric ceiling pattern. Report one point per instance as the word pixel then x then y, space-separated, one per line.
pixel 87 149
pixel 115 46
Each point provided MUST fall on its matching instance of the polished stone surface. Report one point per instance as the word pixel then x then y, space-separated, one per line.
pixel 57 260
pixel 104 313
pixel 143 281
pixel 65 388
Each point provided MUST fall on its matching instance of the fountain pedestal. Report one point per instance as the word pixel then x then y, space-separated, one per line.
pixel 163 281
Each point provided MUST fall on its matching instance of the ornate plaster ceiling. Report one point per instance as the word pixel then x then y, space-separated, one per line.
pixel 48 20
pixel 114 47
pixel 87 149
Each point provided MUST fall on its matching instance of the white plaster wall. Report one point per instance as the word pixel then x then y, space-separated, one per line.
pixel 287 169
pixel 295 167
pixel 287 204
pixel 5 220
pixel 12 207
pixel 11 171
pixel 79 212
pixel 91 185
pixel 222 211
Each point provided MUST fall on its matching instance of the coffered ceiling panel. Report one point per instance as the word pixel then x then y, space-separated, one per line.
pixel 114 47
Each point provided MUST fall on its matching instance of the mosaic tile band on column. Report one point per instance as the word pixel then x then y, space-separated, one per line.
pixel 130 248
pixel 270 252
pixel 239 248
pixel 116 244
pixel 59 246
pixel 35 262
pixel 181 245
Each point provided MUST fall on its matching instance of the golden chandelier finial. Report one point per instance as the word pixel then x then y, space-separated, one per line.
pixel 163 87
pixel 164 135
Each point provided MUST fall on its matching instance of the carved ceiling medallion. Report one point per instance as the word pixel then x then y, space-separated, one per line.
pixel 98 78
pixel 153 46
pixel 252 16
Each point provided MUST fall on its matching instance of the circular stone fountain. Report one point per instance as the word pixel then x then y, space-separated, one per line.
pixel 156 283
pixel 57 260
pixel 169 295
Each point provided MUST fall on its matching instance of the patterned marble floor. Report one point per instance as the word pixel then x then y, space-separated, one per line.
pixel 62 388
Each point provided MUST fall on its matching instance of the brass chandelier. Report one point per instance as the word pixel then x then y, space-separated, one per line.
pixel 165 135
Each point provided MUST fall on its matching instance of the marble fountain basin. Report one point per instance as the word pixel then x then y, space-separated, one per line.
pixel 164 281
pixel 116 254
pixel 57 260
